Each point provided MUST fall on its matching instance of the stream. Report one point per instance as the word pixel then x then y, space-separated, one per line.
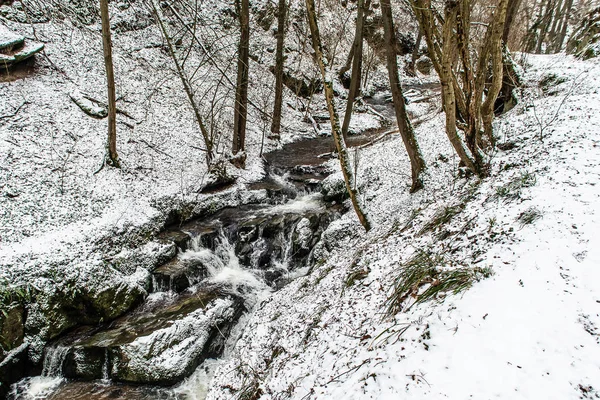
pixel 228 262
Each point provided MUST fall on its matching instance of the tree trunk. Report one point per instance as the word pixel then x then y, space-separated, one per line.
pixel 241 92
pixel 415 53
pixel 279 61
pixel 511 12
pixel 495 46
pixel 356 67
pixel 406 130
pixel 338 138
pixel 552 35
pixel 112 158
pixel 545 25
pixel 564 25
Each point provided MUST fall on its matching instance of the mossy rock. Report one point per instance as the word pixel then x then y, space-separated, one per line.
pixel 585 40
pixel 62 311
pixel 12 329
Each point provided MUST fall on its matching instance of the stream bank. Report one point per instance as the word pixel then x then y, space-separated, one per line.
pixel 226 263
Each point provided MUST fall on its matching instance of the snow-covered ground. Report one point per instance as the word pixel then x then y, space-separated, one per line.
pixel 530 331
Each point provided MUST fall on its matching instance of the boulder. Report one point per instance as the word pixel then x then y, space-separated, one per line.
pixel 161 343
pixel 12 368
pixel 12 321
pixel 424 65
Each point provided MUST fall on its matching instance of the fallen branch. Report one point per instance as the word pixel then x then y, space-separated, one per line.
pixel 120 111
pixel 25 102
pixel 378 138
pixel 153 147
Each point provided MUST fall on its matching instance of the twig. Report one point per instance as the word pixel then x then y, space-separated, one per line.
pixel 25 102
pixel 153 147
pixel 90 98
pixel 350 370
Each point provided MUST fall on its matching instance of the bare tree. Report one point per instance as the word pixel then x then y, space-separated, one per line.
pixel 279 61
pixel 241 93
pixel 112 158
pixel 357 47
pixel 338 138
pixel 406 130
pixel 186 81
pixel 467 97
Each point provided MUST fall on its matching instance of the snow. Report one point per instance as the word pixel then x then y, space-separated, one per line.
pixel 529 331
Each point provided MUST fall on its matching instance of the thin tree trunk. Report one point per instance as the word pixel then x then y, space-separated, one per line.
pixel 495 46
pixel 338 138
pixel 112 158
pixel 276 123
pixel 406 130
pixel 545 26
pixel 186 83
pixel 564 25
pixel 356 67
pixel 241 93
pixel 415 53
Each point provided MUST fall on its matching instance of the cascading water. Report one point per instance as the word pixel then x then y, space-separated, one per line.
pixel 233 261
pixel 54 360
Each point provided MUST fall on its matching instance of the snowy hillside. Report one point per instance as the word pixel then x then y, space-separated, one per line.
pixel 531 330
pixel 144 282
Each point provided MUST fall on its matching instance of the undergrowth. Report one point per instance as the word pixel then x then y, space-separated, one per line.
pixel 441 217
pixel 513 189
pixel 429 276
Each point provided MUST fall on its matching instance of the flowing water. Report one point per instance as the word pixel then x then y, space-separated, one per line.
pixel 171 345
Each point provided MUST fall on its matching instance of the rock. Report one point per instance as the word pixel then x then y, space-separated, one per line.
pixel 424 65
pixel 585 40
pixel 334 188
pixel 178 275
pixel 89 107
pixel 159 344
pixel 301 85
pixel 178 237
pixel 12 368
pixel 69 306
pixel 12 327
pixel 9 40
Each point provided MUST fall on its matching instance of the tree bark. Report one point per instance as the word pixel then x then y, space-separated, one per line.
pixel 415 53
pixel 279 61
pixel 406 130
pixel 338 138
pixel 112 158
pixel 495 46
pixel 511 12
pixel 241 93
pixel 356 67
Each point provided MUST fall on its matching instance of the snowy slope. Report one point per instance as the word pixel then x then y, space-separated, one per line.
pixel 531 330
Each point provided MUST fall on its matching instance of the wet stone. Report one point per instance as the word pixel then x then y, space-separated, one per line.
pixel 160 343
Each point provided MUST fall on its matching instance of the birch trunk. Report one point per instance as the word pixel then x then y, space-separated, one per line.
pixel 338 138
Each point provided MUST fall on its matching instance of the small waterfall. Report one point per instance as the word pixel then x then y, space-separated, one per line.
pixel 105 367
pixel 223 266
pixel 54 360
